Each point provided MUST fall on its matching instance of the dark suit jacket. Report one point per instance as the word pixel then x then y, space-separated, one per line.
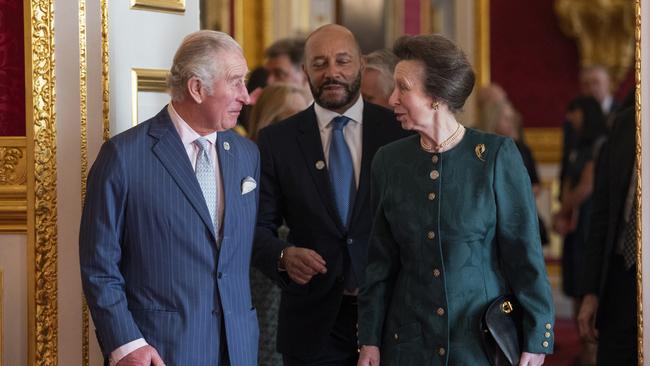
pixel 150 267
pixel 612 181
pixel 294 189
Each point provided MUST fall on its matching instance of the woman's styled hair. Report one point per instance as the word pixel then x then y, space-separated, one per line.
pixel 448 76
pixel 273 105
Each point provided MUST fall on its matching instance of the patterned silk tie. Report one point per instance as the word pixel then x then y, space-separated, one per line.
pixel 341 169
pixel 207 178
pixel 628 250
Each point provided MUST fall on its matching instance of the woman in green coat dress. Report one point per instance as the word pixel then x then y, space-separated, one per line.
pixel 455 226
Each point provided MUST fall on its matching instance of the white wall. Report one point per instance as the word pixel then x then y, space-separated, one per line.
pixel 13 264
pixel 142 39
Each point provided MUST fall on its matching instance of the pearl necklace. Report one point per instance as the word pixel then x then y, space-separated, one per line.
pixel 450 140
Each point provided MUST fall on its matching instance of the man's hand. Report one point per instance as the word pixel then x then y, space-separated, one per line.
pixel 143 356
pixel 532 359
pixel 587 318
pixel 369 356
pixel 302 264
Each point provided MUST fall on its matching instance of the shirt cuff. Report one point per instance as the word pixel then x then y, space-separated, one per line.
pixel 122 351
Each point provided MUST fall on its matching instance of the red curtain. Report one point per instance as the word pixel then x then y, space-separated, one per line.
pixel 12 69
pixel 532 60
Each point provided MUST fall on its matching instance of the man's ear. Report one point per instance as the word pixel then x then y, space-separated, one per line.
pixel 195 89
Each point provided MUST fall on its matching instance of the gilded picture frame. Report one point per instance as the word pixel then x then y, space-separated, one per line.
pixel 168 6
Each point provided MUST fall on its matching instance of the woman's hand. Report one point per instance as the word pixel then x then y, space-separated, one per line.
pixel 532 359
pixel 369 356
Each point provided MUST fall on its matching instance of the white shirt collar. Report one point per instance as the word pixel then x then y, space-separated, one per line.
pixel 606 105
pixel 186 133
pixel 325 116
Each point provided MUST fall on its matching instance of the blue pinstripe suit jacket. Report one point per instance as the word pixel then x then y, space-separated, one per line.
pixel 149 264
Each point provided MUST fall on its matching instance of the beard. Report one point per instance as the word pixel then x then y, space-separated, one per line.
pixel 351 91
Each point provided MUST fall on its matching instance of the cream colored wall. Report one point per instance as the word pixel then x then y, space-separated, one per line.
pixel 13 264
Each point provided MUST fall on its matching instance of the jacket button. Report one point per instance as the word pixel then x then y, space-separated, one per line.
pixel 441 351
pixel 219 275
pixel 545 344
pixel 548 326
pixel 440 311
pixel 434 174
pixel 431 235
pixel 349 241
pixel 431 196
pixel 434 159
pixel 436 272
pixel 396 337
pixel 547 335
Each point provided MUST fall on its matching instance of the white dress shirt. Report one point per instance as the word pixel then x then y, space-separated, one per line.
pixel 188 136
pixel 352 132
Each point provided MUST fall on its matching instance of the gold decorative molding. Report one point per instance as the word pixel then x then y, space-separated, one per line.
pixel 167 6
pixel 545 143
pixel 83 112
pixel 106 125
pixel 13 185
pixel 639 191
pixel 41 180
pixel 604 32
pixel 146 80
pixel 253 28
pixel 482 45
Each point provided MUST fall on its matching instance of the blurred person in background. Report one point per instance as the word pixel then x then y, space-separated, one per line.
pixel 501 118
pixel 377 79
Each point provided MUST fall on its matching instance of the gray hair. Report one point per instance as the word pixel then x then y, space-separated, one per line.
pixel 195 57
pixel 384 62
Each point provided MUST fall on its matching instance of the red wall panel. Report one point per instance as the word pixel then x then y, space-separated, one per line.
pixel 532 60
pixel 12 69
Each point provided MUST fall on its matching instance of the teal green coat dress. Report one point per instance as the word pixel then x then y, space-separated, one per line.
pixel 452 231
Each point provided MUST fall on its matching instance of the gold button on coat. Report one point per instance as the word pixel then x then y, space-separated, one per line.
pixel 396 336
pixel 547 335
pixel 434 159
pixel 440 311
pixel 441 351
pixel 431 196
pixel 431 235
pixel 548 326
pixel 436 272
pixel 434 174
pixel 545 344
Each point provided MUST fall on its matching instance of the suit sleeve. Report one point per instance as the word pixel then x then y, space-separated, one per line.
pixel 267 246
pixel 100 251
pixel 383 264
pixel 520 250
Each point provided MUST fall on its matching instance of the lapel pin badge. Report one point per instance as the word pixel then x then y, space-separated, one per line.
pixel 320 165
pixel 226 146
pixel 480 152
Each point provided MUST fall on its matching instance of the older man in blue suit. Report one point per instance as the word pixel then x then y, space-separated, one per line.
pixel 168 223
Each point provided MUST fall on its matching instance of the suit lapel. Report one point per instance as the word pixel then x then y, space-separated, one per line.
pixel 312 151
pixel 227 154
pixel 369 146
pixel 173 156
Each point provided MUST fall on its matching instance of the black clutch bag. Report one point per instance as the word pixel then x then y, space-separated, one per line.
pixel 501 331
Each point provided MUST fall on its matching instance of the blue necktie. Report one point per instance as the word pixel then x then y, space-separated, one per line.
pixel 207 179
pixel 341 169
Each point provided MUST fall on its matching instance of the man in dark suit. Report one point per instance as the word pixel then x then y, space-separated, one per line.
pixel 315 176
pixel 609 307
pixel 168 223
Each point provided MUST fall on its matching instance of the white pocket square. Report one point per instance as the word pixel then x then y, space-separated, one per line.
pixel 248 184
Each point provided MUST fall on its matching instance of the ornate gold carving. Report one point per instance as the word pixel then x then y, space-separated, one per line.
pixel 83 106
pixel 42 205
pixel 603 30
pixel 173 6
pixel 146 80
pixel 13 184
pixel 545 143
pixel 106 125
pixel 639 193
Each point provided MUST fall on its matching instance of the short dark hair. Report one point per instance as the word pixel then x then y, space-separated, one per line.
pixel 294 48
pixel 447 73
